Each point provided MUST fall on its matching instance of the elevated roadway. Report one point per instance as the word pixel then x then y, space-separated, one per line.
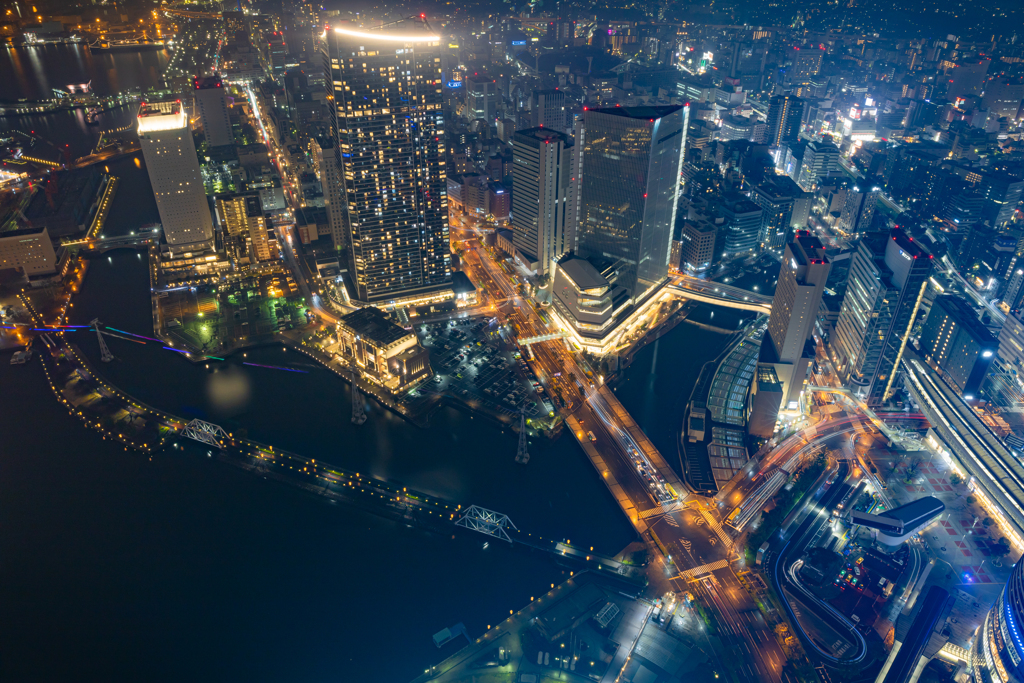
pixel 976 448
pixel 782 571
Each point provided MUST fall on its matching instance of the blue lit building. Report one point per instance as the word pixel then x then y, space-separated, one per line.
pixel 998 643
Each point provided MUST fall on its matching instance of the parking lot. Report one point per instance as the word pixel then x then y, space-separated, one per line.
pixel 470 362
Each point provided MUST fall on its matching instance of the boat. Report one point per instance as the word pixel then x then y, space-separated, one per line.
pixel 21 357
pixel 125 45
pixel 92 116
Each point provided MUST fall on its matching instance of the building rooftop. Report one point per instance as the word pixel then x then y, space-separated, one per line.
pixel 959 310
pixel 907 244
pixel 541 134
pixel 642 112
pixel 22 232
pixel 371 323
pixel 582 272
pixel 153 118
pixel 208 82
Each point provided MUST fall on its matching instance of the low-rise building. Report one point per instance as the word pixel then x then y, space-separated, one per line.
pixel 383 352
pixel 29 251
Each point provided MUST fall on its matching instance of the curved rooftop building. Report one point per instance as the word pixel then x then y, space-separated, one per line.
pixel 999 643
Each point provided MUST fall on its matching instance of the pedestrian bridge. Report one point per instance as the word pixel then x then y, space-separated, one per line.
pixel 723 295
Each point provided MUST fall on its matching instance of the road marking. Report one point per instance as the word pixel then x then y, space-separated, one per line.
pixel 702 570
pixel 717 526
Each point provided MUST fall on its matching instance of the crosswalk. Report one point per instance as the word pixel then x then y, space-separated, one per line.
pixel 703 569
pixel 716 526
pixel 658 511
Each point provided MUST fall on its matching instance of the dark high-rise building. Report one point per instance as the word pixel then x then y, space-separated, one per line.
pixel 888 277
pixel 742 224
pixel 213 111
pixel 957 344
pixel 784 115
pixel 777 196
pixel 632 157
pixel 542 213
pixel 859 209
pixel 387 121
pixel 547 110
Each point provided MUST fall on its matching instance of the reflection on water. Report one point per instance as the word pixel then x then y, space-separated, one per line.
pixel 33 72
pixel 228 392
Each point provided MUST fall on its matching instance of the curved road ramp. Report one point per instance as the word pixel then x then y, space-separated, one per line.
pixel 822 628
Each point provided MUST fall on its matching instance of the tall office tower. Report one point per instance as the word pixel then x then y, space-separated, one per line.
pixel 241 216
pixel 1002 193
pixel 806 62
pixel 789 345
pixel 859 209
pixel 778 196
pixel 820 159
pixel 995 652
pixel 330 180
pixel 387 120
pixel 547 110
pixel 784 115
pixel 1003 96
pixel 277 55
pixel 481 97
pixel 170 154
pixel 542 218
pixel 212 103
pixel 888 278
pixel 632 160
pixel 957 344
pixel 742 224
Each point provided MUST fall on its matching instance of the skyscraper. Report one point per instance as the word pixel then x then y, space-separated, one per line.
pixel 481 97
pixel 742 224
pixel 995 653
pixel 173 167
pixel 547 110
pixel 957 344
pixel 888 277
pixel 542 218
pixel 788 346
pixel 387 120
pixel 778 196
pixel 859 209
pixel 212 104
pixel 820 159
pixel 784 115
pixel 632 158
pixel 327 169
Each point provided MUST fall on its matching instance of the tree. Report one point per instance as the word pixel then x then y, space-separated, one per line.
pixel 1001 548
pixel 955 479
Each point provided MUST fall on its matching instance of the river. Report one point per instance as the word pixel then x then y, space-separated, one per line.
pixel 120 566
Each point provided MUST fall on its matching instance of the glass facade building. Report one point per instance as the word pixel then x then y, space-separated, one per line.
pixel 386 117
pixel 888 277
pixel 632 160
pixel 998 644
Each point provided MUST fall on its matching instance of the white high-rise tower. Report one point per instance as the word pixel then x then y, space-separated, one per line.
pixel 173 167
